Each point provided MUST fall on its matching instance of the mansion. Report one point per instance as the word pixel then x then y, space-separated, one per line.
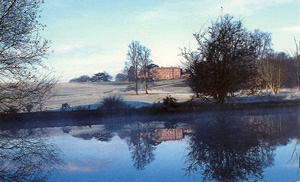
pixel 165 73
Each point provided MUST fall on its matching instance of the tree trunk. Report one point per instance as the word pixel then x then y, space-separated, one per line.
pixel 278 82
pixel 145 84
pixel 260 89
pixel 136 80
pixel 298 75
pixel 273 91
pixel 272 87
pixel 220 98
pixel 136 87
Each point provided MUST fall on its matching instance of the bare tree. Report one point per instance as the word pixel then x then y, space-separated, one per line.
pixel 137 66
pixel 274 71
pixel 297 60
pixel 133 56
pixel 145 62
pixel 25 82
pixel 224 61
pixel 263 49
pixel 27 95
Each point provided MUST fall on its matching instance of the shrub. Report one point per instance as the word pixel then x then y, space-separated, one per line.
pixel 29 107
pixel 170 101
pixel 114 101
pixel 83 108
pixel 12 110
pixel 64 106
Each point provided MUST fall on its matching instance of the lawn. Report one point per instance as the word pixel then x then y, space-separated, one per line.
pixel 76 94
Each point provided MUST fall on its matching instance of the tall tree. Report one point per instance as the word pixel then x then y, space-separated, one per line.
pixel 263 49
pixel 25 82
pixel 297 61
pixel 145 62
pixel 224 61
pixel 137 66
pixel 134 61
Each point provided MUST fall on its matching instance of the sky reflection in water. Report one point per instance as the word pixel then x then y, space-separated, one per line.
pixel 224 146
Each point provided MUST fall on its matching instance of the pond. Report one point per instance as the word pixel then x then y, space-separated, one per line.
pixel 261 145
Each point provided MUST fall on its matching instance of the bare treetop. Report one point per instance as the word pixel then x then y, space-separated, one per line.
pixel 22 49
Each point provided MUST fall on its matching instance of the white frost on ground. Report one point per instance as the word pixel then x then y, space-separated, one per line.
pixel 284 95
pixel 95 106
pixel 84 94
pixel 91 94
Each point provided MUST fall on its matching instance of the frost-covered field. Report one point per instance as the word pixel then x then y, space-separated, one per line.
pixel 76 94
pixel 284 95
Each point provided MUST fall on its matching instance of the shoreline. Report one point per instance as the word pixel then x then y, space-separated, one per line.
pixel 153 110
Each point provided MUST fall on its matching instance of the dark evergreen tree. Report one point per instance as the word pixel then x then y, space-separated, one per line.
pixel 120 77
pixel 101 77
pixel 83 78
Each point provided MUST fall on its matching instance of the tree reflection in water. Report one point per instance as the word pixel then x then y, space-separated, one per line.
pixel 24 158
pixel 228 150
pixel 141 143
pixel 296 155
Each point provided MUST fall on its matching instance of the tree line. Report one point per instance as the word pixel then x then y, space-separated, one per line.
pixel 98 77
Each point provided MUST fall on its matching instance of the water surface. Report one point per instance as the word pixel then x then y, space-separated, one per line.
pixel 221 146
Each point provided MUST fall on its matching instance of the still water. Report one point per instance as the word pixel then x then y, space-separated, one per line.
pixel 221 146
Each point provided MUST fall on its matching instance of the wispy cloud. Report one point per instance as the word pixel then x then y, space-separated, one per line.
pixel 76 47
pixel 293 29
pixel 149 15
pixel 82 63
pixel 88 40
pixel 170 10
pixel 246 7
pixel 207 8
pixel 66 48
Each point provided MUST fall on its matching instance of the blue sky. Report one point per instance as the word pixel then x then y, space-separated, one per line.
pixel 92 36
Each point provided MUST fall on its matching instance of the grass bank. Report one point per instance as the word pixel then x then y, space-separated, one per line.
pixel 155 109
